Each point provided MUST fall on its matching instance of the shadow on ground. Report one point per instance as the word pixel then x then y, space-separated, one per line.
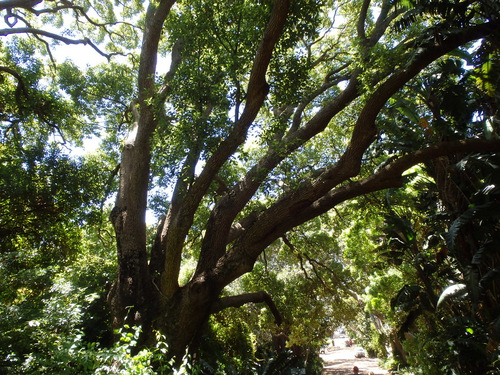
pixel 340 361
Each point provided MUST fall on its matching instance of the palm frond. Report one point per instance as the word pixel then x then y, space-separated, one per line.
pixel 453 291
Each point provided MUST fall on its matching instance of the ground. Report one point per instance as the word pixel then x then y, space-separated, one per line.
pixel 341 360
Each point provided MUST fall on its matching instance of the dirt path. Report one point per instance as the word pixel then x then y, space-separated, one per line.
pixel 340 361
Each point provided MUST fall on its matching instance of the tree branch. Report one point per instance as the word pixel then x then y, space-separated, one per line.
pixel 360 26
pixel 174 64
pixel 299 256
pixel 25 4
pixel 242 299
pixel 256 93
pixel 155 17
pixel 365 129
pixel 328 83
pixel 383 21
pixel 37 32
pixel 21 87
pixel 390 176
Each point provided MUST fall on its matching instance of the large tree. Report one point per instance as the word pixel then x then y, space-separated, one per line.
pixel 264 120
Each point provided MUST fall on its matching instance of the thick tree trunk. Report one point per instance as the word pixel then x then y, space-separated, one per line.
pixel 132 297
pixel 185 315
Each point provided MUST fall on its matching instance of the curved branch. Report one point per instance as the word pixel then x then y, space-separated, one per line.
pixel 328 83
pixel 242 299
pixel 257 90
pixel 360 26
pixel 37 32
pixel 21 87
pixel 390 176
pixel 30 4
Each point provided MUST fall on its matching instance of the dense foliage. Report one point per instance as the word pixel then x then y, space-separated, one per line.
pixel 263 172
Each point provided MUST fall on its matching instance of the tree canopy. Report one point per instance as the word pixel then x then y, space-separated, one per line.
pixel 290 151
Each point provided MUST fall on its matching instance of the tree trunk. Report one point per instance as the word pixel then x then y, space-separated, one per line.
pixel 132 297
pixel 184 316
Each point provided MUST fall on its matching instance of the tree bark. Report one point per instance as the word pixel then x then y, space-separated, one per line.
pixel 242 299
pixel 133 297
pixel 26 4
